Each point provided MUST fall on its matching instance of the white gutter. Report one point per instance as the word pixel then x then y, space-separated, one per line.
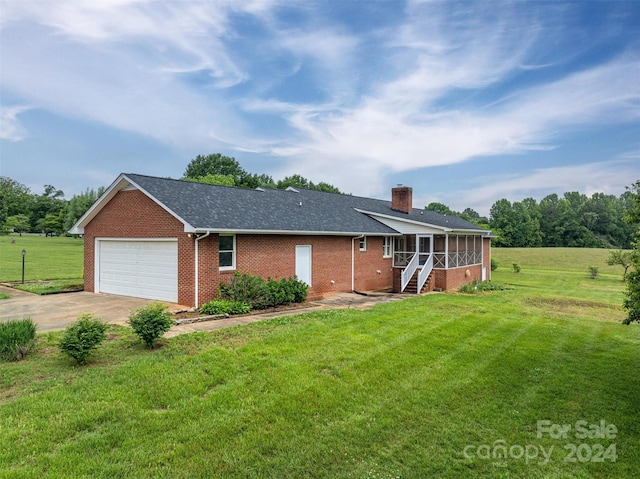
pixel 291 232
pixel 353 262
pixel 197 279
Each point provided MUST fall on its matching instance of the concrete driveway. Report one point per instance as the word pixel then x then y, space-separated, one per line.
pixel 57 311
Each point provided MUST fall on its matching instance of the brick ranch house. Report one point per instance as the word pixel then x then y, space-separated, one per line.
pixel 176 241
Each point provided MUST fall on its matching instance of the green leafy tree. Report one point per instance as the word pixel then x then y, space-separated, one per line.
pixel 78 205
pixel 16 196
pixel 19 223
pixel 212 168
pixel 622 258
pixel 51 224
pixel 215 164
pixel 632 296
pixel 50 202
pixel 322 186
pixel 224 180
pixel 439 208
pixel 295 181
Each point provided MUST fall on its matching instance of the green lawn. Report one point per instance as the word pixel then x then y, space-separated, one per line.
pixel 400 390
pixel 558 259
pixel 58 260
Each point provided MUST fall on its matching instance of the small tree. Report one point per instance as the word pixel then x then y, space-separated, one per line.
pixel 622 258
pixel 151 322
pixel 19 223
pixel 593 272
pixel 82 337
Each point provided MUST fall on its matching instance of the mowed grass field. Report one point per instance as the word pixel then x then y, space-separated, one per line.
pixel 443 385
pixel 47 258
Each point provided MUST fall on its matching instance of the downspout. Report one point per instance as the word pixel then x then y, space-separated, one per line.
pixel 197 279
pixel 353 261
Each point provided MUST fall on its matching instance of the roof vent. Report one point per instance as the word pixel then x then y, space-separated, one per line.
pixel 260 189
pixel 291 188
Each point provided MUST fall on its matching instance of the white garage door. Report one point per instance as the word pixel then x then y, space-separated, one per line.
pixel 143 269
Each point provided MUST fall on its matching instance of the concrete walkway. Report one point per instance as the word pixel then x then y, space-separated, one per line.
pixel 57 311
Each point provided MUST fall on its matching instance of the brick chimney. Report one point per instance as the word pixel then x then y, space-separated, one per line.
pixel 402 198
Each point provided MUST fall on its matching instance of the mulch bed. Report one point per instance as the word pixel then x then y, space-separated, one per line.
pixel 191 314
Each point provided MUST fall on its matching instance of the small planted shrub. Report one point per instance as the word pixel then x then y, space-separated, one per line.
pixel 480 286
pixel 494 264
pixel 151 322
pixel 225 307
pixel 516 267
pixel 17 337
pixel 593 272
pixel 82 337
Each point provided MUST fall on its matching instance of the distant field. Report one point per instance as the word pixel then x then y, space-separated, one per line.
pixel 562 259
pixel 47 258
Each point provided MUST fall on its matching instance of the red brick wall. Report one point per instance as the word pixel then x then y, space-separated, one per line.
pixel 132 214
pixel 372 271
pixel 274 256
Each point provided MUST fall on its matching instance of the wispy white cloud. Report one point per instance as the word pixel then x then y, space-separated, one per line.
pixel 10 127
pixel 439 84
pixel 409 122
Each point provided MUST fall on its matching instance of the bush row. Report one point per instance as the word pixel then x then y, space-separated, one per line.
pixel 223 306
pixel 261 294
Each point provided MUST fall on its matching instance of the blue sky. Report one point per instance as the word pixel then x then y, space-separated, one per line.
pixel 467 102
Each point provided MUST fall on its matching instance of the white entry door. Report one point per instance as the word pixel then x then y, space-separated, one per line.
pixel 303 263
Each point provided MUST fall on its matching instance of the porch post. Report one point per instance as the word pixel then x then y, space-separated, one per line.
pixel 446 251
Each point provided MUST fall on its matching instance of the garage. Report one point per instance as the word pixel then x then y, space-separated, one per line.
pixel 140 268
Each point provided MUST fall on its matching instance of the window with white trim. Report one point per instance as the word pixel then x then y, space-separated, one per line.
pixel 363 243
pixel 227 251
pixel 386 247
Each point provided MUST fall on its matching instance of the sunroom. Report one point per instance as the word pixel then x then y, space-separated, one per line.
pixel 437 260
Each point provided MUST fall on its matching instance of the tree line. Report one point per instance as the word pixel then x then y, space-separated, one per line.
pixel 571 220
pixel 23 211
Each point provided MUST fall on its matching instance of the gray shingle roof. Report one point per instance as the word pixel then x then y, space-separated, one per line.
pixel 214 207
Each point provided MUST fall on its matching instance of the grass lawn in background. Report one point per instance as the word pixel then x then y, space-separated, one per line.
pixel 55 262
pixel 424 387
pixel 559 259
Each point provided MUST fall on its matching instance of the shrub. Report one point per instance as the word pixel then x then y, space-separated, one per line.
pixel 593 272
pixel 17 337
pixel 244 288
pixel 225 307
pixel 480 286
pixel 300 289
pixel 516 267
pixel 261 294
pixel 150 322
pixel 82 337
pixel 494 264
